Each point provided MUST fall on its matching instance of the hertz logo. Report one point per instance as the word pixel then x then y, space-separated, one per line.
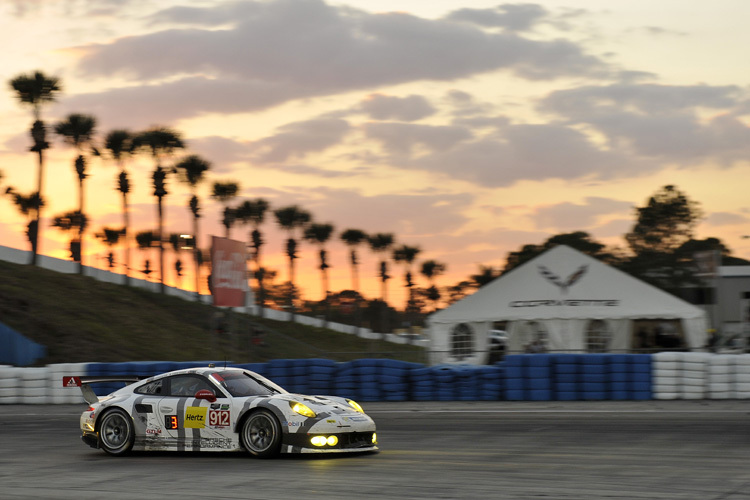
pixel 195 417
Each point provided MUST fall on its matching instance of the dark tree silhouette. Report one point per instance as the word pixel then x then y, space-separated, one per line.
pixel 35 90
pixel 160 143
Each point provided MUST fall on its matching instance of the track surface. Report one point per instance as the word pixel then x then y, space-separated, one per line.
pixel 495 450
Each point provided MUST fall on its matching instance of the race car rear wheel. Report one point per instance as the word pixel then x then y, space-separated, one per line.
pixel 261 434
pixel 116 433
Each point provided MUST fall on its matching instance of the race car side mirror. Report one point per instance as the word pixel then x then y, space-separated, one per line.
pixel 205 394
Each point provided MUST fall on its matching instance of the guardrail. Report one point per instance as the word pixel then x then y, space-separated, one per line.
pixel 520 377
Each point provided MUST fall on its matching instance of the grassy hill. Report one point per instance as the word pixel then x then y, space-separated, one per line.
pixel 80 319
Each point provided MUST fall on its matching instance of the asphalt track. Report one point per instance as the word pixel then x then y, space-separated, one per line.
pixel 490 450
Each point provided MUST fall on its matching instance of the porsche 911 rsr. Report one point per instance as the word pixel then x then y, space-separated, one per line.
pixel 219 409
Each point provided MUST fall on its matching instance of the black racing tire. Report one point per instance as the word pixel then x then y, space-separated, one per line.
pixel 261 434
pixel 116 432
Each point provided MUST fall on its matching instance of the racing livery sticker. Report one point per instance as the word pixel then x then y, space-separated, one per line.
pixel 195 417
pixel 218 418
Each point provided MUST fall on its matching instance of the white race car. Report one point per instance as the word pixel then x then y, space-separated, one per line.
pixel 219 409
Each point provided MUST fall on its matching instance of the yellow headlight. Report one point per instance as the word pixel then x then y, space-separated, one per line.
pixel 318 440
pixel 354 405
pixel 332 441
pixel 301 409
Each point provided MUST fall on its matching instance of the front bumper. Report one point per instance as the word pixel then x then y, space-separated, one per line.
pixel 345 442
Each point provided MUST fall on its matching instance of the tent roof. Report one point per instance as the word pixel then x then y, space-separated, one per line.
pixel 564 283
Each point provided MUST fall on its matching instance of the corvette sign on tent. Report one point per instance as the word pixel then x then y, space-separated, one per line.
pixel 228 272
pixel 565 301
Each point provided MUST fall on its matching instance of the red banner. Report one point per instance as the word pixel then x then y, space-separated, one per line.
pixel 228 272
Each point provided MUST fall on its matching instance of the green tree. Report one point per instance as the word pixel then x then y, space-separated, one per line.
pixel 119 145
pixel 380 244
pixel 254 213
pixel 431 269
pixel 291 219
pixel 192 171
pixel 78 130
pixel 224 192
pixel 161 143
pixel 36 90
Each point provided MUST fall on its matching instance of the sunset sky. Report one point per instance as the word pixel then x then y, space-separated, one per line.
pixel 465 127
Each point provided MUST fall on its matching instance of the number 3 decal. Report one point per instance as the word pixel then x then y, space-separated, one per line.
pixel 218 418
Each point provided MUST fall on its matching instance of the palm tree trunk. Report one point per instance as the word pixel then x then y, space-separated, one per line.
pixel 126 226
pixel 161 246
pixel 81 227
pixel 35 236
pixel 196 252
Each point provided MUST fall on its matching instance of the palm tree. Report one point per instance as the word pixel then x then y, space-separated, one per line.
pixel 74 220
pixel 192 171
pixel 119 143
pixel 380 243
pixel 36 90
pixel 110 237
pixel 353 238
pixel 290 219
pixel 179 243
pixel 319 234
pixel 29 206
pixel 78 131
pixel 430 270
pixel 254 213
pixel 407 255
pixel 160 142
pixel 223 192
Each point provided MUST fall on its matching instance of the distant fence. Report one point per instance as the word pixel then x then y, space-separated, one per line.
pixel 520 377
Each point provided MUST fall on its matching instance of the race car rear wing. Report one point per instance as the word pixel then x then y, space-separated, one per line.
pixel 88 393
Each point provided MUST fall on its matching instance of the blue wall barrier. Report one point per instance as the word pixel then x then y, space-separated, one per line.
pixel 18 350
pixel 520 377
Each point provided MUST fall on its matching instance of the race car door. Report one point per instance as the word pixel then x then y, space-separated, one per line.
pixel 192 424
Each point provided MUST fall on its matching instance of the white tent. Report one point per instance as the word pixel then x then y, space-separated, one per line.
pixel 569 302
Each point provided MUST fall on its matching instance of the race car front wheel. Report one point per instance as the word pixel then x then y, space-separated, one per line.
pixel 116 434
pixel 261 434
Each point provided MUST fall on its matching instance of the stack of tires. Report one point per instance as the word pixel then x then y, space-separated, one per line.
pixel 566 373
pixel 10 385
pixel 595 377
pixel 58 394
pixel 490 380
pixel 282 371
pixel 445 382
pixel 693 376
pixel 468 383
pixel 515 380
pixel 422 384
pixel 394 379
pixel 742 376
pixel 320 375
pixel 620 376
pixel 721 376
pixel 641 376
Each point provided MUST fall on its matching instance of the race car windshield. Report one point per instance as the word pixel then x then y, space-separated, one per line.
pixel 240 384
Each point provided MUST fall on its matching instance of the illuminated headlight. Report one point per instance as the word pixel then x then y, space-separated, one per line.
pixel 301 409
pixel 374 438
pixel 355 405
pixel 323 440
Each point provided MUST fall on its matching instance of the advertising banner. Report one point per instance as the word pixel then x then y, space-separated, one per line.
pixel 228 272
